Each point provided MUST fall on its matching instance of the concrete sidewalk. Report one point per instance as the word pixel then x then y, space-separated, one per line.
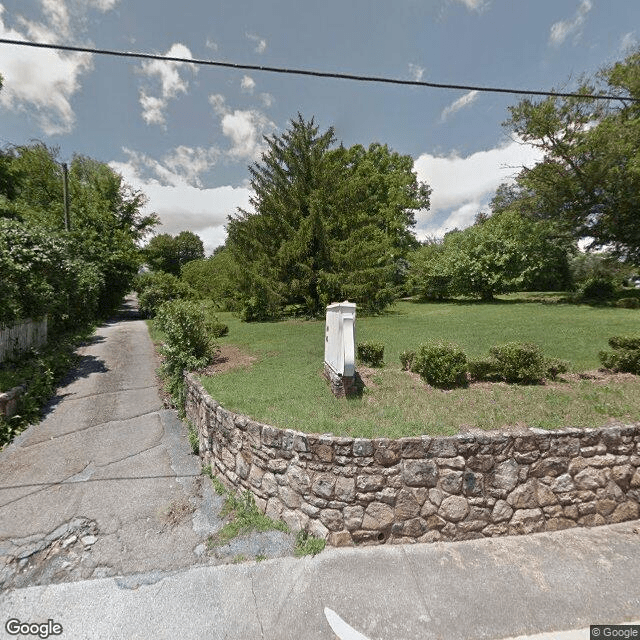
pixel 491 588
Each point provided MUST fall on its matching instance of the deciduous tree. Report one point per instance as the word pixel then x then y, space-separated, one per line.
pixel 589 179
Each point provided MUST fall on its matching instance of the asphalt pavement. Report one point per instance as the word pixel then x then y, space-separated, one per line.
pixel 104 516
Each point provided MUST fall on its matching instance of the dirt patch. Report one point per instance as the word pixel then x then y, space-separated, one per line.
pixel 178 511
pixel 228 357
pixel 368 375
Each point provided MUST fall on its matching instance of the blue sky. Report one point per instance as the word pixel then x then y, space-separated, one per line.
pixel 185 135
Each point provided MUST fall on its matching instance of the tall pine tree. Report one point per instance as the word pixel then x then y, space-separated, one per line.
pixel 327 224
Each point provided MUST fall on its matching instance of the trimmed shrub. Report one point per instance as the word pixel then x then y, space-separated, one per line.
pixel 623 360
pixel 216 328
pixel 625 356
pixel 555 366
pixel 519 362
pixel 483 370
pixel 406 359
pixel 628 303
pixel 624 342
pixel 371 353
pixel 441 364
pixel 598 288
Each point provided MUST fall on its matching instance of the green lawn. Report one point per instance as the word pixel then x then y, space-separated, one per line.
pixel 284 386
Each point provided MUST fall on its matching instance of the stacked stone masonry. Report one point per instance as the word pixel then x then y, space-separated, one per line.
pixel 423 489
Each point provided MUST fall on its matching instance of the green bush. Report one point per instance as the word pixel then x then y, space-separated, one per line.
pixel 441 364
pixel 371 353
pixel 158 288
pixel 216 328
pixel 483 370
pixel 142 281
pixel 628 303
pixel 519 362
pixel 189 343
pixel 624 342
pixel 42 272
pixel 554 367
pixel 215 278
pixel 622 360
pixel 625 356
pixel 406 359
pixel 598 288
pixel 262 304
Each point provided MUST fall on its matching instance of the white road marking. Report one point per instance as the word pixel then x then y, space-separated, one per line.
pixel 341 628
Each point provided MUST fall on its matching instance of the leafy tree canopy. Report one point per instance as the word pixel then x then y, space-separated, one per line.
pixel 168 253
pixel 589 179
pixel 328 223
pixel 100 251
pixel 502 253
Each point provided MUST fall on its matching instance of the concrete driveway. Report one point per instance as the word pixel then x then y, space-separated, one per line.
pixel 106 483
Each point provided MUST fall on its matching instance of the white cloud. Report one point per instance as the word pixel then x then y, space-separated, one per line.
pixel 219 104
pixel 180 205
pixel 58 16
pixel 248 84
pixel 211 44
pixel 171 83
pixel 474 5
pixel 190 163
pixel 41 82
pixel 416 72
pixel 562 29
pixel 245 129
pixel 182 165
pixel 261 43
pixel 460 103
pixel 463 185
pixel 267 99
pixel 628 42
pixel 103 5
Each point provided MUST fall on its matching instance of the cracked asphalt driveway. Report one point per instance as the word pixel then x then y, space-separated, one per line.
pixel 106 484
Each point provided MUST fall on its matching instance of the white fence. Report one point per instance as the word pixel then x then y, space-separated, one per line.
pixel 21 336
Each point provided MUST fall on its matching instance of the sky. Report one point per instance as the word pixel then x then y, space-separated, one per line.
pixel 186 135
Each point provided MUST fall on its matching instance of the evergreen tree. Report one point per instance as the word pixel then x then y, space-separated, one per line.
pixel 327 224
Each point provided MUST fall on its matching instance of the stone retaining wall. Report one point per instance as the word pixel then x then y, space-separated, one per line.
pixel 9 401
pixel 423 489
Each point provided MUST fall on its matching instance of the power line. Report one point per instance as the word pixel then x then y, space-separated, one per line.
pixel 316 74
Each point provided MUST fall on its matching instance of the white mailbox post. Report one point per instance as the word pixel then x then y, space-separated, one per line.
pixel 340 348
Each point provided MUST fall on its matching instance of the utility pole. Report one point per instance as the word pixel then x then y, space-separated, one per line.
pixel 65 194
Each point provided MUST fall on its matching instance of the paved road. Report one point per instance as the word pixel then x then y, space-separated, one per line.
pixel 480 589
pixel 103 514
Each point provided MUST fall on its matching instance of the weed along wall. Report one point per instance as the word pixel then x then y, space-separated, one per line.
pixel 423 489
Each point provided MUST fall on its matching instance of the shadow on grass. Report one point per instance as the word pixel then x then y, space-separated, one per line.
pixel 475 302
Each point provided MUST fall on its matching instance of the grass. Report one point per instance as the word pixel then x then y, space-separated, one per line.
pixel 192 434
pixel 284 387
pixel 308 545
pixel 242 515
